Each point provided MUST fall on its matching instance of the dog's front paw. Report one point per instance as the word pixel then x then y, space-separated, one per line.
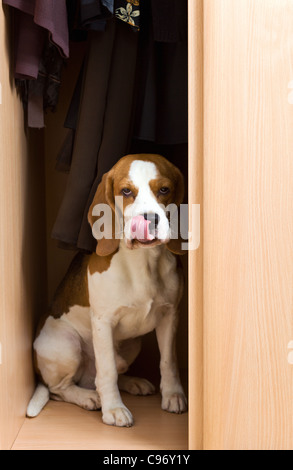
pixel 174 402
pixel 119 416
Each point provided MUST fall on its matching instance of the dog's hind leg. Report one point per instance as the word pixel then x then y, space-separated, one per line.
pixel 59 361
pixel 87 399
pixel 135 385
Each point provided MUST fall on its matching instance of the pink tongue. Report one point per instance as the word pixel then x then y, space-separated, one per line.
pixel 140 229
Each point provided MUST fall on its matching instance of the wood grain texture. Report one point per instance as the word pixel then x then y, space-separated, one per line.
pixel 62 426
pixel 22 243
pixel 195 185
pixel 248 224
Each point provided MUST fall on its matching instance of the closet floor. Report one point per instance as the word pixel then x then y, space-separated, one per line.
pixel 62 426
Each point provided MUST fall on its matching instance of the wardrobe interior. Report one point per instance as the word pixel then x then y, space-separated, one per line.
pixel 33 262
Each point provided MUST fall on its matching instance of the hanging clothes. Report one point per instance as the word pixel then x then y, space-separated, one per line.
pixel 93 15
pixel 86 15
pixel 129 12
pixel 131 94
pixel 162 103
pixel 169 20
pixel 41 45
pixel 35 18
pixel 42 94
pixel 132 98
pixel 104 127
pixel 64 158
pixel 109 4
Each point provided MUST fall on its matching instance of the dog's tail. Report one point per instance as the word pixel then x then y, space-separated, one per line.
pixel 38 401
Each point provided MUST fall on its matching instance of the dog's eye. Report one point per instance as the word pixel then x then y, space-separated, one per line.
pixel 126 192
pixel 163 191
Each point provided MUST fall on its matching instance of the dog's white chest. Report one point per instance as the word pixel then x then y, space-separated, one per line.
pixel 132 293
pixel 138 320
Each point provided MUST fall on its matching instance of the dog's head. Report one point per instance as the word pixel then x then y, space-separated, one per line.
pixel 139 192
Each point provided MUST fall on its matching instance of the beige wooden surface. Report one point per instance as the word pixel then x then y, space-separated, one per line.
pixel 62 426
pixel 195 175
pixel 248 224
pixel 22 243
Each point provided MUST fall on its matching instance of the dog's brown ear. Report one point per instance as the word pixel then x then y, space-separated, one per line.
pixel 104 195
pixel 175 245
pixel 179 185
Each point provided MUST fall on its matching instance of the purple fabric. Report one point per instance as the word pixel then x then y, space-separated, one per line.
pixel 50 15
pixel 28 47
pixel 35 19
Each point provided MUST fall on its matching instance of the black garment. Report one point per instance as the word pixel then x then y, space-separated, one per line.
pixel 169 20
pixel 104 128
pixel 162 103
pixel 85 15
pixel 42 94
pixel 64 157
pixel 93 15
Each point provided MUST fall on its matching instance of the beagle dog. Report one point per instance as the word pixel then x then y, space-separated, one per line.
pixel 109 299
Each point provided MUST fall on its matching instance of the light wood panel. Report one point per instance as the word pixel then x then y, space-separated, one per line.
pixel 195 184
pixel 22 243
pixel 248 224
pixel 62 426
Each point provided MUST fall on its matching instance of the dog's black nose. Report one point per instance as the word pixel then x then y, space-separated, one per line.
pixel 154 219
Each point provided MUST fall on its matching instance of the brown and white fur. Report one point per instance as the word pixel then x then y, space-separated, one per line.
pixel 109 299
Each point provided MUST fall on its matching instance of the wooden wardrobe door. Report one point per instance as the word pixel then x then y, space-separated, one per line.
pixel 248 224
pixel 22 247
pixel 195 188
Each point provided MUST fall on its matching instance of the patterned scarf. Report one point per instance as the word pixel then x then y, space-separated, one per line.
pixel 128 11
